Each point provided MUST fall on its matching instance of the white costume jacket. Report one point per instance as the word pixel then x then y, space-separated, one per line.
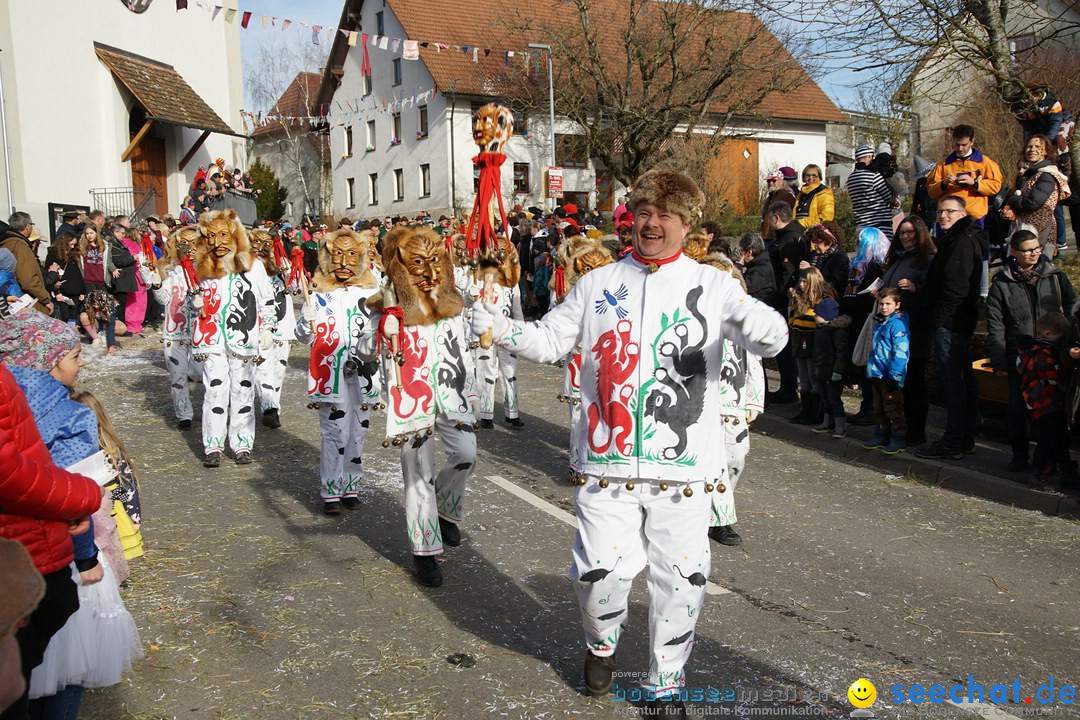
pixel 235 309
pixel 652 353
pixel 174 298
pixel 342 324
pixel 742 382
pixel 283 309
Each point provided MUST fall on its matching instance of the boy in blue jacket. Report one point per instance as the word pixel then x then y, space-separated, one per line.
pixel 887 369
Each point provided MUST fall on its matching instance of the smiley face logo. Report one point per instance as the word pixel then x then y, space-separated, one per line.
pixel 862 693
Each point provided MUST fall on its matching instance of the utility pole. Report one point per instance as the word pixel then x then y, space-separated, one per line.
pixel 551 103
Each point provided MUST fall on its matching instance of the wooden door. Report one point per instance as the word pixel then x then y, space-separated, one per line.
pixel 733 175
pixel 148 171
pixel 604 186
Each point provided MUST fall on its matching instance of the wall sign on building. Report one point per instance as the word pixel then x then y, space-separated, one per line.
pixel 554 183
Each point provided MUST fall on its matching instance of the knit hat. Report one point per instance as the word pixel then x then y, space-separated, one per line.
pixel 23 586
pixel 863 151
pixel 571 208
pixel 789 173
pixel 827 309
pixel 31 339
pixel 884 147
pixel 775 175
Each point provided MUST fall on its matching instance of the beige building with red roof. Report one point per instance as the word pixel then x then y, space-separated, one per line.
pixel 401 138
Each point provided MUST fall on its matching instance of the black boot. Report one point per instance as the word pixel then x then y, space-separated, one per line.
pixel 451 534
pixel 427 570
pixel 598 673
pixel 271 419
pixel 804 409
pixel 1019 462
pixel 808 414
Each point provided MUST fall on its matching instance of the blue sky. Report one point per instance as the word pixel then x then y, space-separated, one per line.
pixel 328 12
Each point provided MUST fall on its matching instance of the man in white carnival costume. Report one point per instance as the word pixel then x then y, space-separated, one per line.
pixel 174 286
pixel 345 389
pixel 651 328
pixel 430 386
pixel 235 322
pixel 270 374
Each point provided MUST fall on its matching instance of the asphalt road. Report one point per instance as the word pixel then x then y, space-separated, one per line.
pixel 253 604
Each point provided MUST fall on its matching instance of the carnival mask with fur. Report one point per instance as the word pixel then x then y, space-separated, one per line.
pixel 344 261
pixel 223 247
pixel 178 246
pixel 492 126
pixel 262 247
pixel 419 267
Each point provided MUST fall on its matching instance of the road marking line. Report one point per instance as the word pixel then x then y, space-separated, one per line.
pixel 558 513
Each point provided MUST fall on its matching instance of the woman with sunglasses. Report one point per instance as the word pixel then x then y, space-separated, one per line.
pixel 815 203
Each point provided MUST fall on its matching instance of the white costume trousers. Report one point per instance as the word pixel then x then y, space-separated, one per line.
pixel 180 364
pixel 619 532
pixel 495 363
pixel 343 429
pixel 229 402
pixel 737 445
pixel 270 376
pixel 430 495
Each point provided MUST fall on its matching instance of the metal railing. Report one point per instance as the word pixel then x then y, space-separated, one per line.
pixel 135 202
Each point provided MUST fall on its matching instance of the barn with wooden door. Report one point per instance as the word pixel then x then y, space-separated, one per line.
pixel 112 73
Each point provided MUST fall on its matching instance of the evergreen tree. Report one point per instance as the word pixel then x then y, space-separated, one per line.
pixel 270 205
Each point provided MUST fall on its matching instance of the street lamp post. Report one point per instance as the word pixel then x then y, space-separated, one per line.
pixel 551 101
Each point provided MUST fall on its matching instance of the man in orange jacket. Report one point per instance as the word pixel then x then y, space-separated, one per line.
pixel 967 173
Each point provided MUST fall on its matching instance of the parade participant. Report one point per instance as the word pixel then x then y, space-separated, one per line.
pixel 174 284
pixel 428 388
pixel 646 456
pixel 742 398
pixel 492 362
pixel 270 374
pixel 343 388
pixel 573 260
pixel 235 323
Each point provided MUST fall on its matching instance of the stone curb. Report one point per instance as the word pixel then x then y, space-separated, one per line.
pixel 939 474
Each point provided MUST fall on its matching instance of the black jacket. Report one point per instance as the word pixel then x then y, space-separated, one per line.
pixel 124 261
pixel 760 281
pixel 836 268
pixel 786 250
pixel 1013 307
pixel 831 352
pixel 1040 192
pixel 951 297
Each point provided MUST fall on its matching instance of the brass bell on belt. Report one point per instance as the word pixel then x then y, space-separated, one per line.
pixel 720 487
pixel 630 485
pixel 687 491
pixel 603 483
pixel 708 487
pixel 663 487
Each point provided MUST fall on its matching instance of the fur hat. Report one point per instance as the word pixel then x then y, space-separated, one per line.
pixel 671 190
pixel 31 339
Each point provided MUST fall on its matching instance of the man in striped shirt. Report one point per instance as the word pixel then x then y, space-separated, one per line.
pixel 871 198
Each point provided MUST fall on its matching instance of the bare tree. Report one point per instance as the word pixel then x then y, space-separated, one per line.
pixel 280 66
pixel 967 41
pixel 630 73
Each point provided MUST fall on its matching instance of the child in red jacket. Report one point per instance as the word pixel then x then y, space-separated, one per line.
pixel 1044 384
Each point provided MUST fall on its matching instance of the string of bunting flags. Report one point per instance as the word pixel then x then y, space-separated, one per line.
pixel 409 49
pixel 347 111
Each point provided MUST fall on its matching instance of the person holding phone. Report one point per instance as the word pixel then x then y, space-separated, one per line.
pixel 966 173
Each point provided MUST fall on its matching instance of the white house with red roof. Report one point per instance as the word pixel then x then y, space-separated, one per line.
pixel 401 137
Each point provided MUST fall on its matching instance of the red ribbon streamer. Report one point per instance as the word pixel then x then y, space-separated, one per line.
pixel 394 311
pixel 148 250
pixel 560 282
pixel 365 62
pixel 480 219
pixel 279 253
pixel 190 277
pixel 297 273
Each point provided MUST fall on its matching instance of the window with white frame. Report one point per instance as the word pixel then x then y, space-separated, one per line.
pixel 521 178
pixel 425 180
pixel 397 71
pixel 350 197
pixel 373 188
pixel 347 151
pixel 422 127
pixel 395 129
pixel 370 134
pixel 399 184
